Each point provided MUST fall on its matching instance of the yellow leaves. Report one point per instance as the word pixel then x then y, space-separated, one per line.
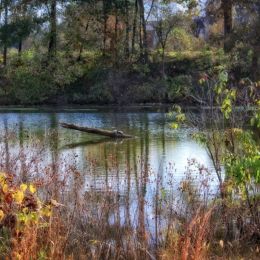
pixel 27 217
pixel 17 193
pixel 46 211
pixel 2 214
pixel 237 131
pixel 2 178
pixel 174 126
pixel 18 196
pixel 32 188
pixel 18 256
pixel 5 188
pixel 257 84
pixel 23 187
pixel 201 81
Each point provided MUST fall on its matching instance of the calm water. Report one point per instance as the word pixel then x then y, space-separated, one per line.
pixel 156 158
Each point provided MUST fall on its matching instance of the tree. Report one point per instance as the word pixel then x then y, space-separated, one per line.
pixel 165 22
pixel 23 18
pixel 4 31
pixel 143 33
pixel 53 29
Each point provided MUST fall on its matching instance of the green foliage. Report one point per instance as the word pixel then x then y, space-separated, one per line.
pixel 15 31
pixel 240 58
pixel 142 69
pixel 178 86
pixel 181 40
pixel 244 165
pixel 234 148
pixel 200 137
pixel 255 120
pixel 226 106
pixel 100 93
pixel 177 117
pixel 34 80
pixel 30 87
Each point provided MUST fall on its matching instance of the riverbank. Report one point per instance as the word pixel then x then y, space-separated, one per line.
pixel 95 81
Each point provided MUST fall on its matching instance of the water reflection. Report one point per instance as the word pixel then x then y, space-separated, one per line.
pixel 134 172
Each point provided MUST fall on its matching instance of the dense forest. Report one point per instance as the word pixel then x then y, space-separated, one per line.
pixel 123 51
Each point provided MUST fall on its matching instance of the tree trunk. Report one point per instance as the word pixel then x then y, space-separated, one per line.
pixel 115 49
pixel 113 134
pixel 20 47
pixel 228 21
pixel 163 61
pixel 104 27
pixel 53 29
pixel 127 30
pixel 5 40
pixel 134 26
pixel 255 63
pixel 81 45
pixel 5 56
pixel 144 33
pixel 256 47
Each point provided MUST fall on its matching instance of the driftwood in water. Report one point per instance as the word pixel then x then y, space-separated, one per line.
pixel 112 134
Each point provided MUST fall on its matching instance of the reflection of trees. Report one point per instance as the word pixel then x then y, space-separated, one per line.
pixel 6 145
pixel 54 143
pixel 21 152
pixel 128 172
pixel 87 143
pixel 114 208
pixel 141 232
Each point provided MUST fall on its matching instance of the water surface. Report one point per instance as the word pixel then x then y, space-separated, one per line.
pixel 156 158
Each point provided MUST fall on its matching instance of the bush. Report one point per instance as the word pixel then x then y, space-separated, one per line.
pixel 23 218
pixel 241 58
pixel 30 87
pixel 179 86
pixel 181 40
pixel 34 79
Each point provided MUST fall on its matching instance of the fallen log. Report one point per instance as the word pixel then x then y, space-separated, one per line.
pixel 112 134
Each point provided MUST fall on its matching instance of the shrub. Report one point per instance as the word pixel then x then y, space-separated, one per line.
pixel 181 40
pixel 22 216
pixel 179 86
pixel 34 79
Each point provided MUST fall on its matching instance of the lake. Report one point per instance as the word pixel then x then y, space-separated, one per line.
pixel 157 158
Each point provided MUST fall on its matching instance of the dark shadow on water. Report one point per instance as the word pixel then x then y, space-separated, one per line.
pixel 91 142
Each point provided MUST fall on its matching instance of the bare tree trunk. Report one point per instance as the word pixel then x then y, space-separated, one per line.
pixel 134 26
pixel 163 61
pixel 81 45
pixel 144 33
pixel 53 29
pixel 255 63
pixel 113 134
pixel 5 56
pixel 228 22
pixel 20 47
pixel 116 38
pixel 5 23
pixel 256 48
pixel 127 29
pixel 141 47
pixel 104 27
